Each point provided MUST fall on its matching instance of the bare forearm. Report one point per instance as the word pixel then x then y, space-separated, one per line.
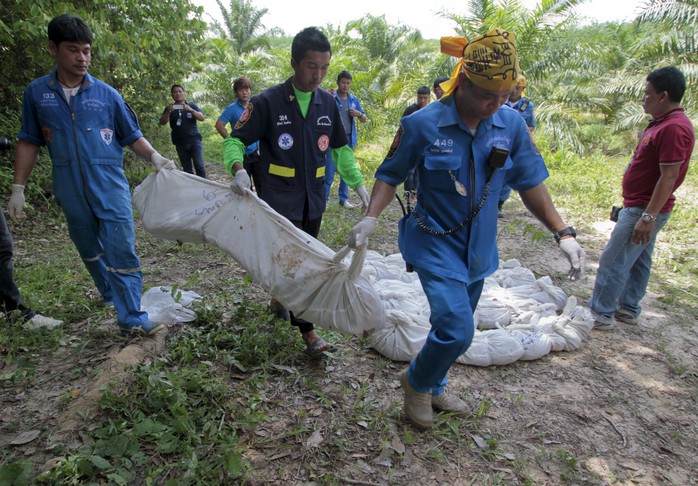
pixel 165 117
pixel 25 160
pixel 220 127
pixel 142 148
pixel 382 195
pixel 663 188
pixel 540 204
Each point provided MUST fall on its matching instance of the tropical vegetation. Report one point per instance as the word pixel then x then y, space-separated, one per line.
pixel 586 81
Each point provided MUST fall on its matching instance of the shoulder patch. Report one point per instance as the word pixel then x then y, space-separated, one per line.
pixel 245 116
pixel 533 141
pixel 396 142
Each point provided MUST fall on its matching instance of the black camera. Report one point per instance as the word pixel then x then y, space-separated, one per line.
pixel 5 143
pixel 615 211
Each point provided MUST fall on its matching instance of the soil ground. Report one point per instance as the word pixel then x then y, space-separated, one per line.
pixel 621 410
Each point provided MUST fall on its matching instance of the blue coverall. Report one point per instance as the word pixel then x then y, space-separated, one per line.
pixel 85 140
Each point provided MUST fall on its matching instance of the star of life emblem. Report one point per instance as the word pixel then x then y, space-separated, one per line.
pixel 107 135
pixel 285 141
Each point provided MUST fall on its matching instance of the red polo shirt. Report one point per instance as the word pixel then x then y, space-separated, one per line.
pixel 668 139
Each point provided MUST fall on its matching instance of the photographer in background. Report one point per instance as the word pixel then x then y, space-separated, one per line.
pixel 183 116
pixel 10 299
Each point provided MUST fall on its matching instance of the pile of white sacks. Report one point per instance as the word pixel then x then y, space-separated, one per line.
pixel 519 317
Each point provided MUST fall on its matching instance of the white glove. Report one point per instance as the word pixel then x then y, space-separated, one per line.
pixel 365 198
pixel 358 236
pixel 575 254
pixel 241 182
pixel 16 204
pixel 160 162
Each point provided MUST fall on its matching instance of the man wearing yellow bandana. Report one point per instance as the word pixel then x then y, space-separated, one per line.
pixel 465 148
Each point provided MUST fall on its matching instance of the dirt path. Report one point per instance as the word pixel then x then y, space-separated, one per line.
pixel 622 410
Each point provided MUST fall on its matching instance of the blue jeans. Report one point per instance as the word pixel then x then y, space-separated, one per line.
pixel 452 305
pixel 330 170
pixel 192 151
pixel 624 267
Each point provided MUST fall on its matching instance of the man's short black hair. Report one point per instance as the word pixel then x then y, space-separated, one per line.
pixel 423 91
pixel 440 80
pixel 343 75
pixel 177 86
pixel 669 79
pixel 69 28
pixel 309 39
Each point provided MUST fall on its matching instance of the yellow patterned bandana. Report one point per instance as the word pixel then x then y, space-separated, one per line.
pixel 490 61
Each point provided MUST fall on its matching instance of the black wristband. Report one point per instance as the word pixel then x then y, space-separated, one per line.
pixel 564 232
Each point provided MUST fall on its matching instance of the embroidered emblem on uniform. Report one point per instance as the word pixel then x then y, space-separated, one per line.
pixel 396 142
pixel 48 135
pixel 533 141
pixel 285 141
pixel 245 116
pixel 324 121
pixel 646 138
pixel 323 142
pixel 107 135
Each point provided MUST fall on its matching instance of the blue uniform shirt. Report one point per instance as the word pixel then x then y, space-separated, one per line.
pixel 84 138
pixel 232 114
pixel 525 108
pixel 437 143
pixel 354 104
pixel 292 148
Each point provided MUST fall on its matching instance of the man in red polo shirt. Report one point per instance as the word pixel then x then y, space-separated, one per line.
pixel 656 170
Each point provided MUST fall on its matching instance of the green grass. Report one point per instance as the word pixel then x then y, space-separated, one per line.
pixel 195 415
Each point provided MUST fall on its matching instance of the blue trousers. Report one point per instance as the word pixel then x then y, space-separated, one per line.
pixel 330 170
pixel 624 267
pixel 452 306
pixel 192 151
pixel 105 239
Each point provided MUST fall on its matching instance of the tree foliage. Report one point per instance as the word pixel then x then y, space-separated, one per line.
pixel 242 26
pixel 139 47
pixel 576 73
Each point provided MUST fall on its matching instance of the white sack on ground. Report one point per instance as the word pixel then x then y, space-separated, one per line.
pixel 162 308
pixel 297 270
pixel 517 312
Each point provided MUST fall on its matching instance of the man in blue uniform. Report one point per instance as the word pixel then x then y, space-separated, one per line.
pixel 296 124
pixel 524 106
pixel 85 123
pixel 465 149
